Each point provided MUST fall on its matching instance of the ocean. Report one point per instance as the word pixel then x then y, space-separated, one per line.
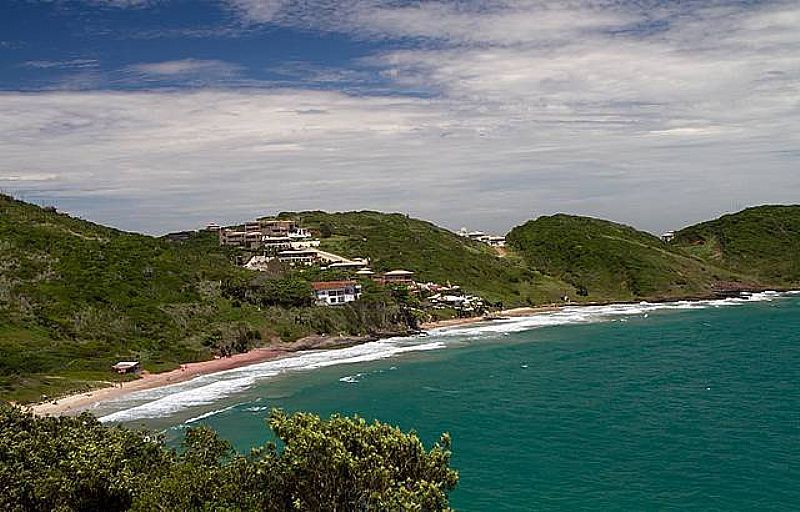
pixel 682 406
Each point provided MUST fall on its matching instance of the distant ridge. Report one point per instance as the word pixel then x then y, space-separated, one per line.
pixel 75 296
pixel 763 241
pixel 612 261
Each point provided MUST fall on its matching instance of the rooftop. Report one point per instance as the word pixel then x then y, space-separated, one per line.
pixel 332 285
pixel 126 364
pixel 399 273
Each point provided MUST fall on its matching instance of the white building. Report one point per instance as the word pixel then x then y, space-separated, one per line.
pixel 331 293
pixel 305 257
pixel 494 241
pixel 480 236
pixel 304 244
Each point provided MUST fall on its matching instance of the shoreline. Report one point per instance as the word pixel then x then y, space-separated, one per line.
pixel 79 402
pixel 82 401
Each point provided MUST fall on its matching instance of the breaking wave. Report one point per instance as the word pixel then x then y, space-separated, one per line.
pixel 208 389
pixel 591 314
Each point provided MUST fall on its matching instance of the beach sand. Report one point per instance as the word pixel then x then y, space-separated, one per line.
pixel 80 401
pixel 72 404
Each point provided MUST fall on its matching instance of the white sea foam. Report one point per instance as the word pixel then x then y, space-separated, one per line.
pixel 590 314
pixel 259 408
pixel 207 389
pixel 209 414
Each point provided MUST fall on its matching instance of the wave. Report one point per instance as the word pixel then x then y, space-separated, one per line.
pixel 208 389
pixel 208 414
pixel 592 314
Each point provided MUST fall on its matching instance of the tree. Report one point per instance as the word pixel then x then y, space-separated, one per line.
pixel 342 463
pixel 325 230
pixel 347 464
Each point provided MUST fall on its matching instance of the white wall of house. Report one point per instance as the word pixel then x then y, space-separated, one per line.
pixel 337 296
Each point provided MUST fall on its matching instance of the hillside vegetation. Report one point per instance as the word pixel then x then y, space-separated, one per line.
pixel 76 297
pixel 610 261
pixel 762 241
pixel 76 464
pixel 393 241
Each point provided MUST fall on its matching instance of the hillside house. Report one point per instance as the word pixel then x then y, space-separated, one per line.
pixel 232 237
pixel 303 244
pixel 402 277
pixel 331 293
pixel 668 237
pixel 301 257
pixel 276 243
pixel 485 238
pixel 274 227
pixel 495 241
pixel 299 234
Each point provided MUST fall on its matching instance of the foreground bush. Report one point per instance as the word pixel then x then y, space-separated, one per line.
pixel 339 464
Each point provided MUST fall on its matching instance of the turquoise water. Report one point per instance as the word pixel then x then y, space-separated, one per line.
pixel 684 409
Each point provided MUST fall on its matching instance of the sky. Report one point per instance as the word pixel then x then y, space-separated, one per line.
pixel 160 115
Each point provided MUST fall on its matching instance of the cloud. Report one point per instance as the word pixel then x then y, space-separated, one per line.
pixel 258 11
pixel 186 68
pixel 124 4
pixel 28 177
pixel 71 64
pixel 654 113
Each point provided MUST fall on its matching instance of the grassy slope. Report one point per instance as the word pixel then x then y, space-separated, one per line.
pixel 393 241
pixel 76 297
pixel 762 241
pixel 611 260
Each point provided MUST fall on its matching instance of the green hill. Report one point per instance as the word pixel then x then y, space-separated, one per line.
pixel 763 242
pixel 610 261
pixel 393 241
pixel 76 297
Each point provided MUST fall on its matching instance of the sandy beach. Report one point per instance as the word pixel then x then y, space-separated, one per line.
pixel 75 403
pixel 80 401
pixel 72 404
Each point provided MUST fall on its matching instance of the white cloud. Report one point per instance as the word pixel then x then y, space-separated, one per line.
pixel 124 4
pixel 30 177
pixel 258 11
pixel 654 115
pixel 61 64
pixel 186 68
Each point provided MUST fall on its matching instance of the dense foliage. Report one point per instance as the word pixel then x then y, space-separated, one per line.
pixel 396 241
pixel 611 261
pixel 346 464
pixel 762 241
pixel 76 297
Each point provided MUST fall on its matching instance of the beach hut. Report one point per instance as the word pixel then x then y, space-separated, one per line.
pixel 126 367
